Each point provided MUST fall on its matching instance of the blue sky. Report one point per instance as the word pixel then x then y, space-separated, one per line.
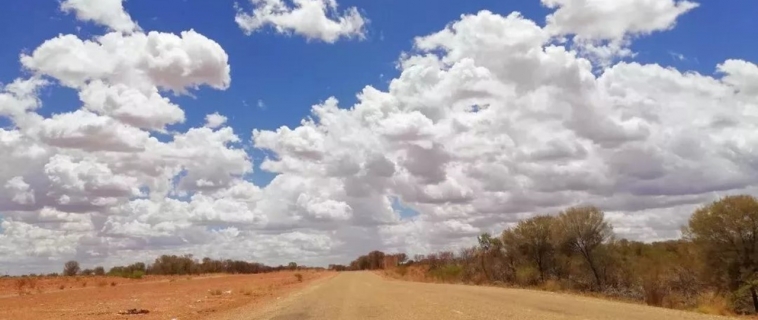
pixel 333 194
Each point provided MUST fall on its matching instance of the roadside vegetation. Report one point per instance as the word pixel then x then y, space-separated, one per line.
pixel 711 269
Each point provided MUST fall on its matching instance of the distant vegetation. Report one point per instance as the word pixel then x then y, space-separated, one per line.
pixel 712 269
pixel 179 265
pixel 169 265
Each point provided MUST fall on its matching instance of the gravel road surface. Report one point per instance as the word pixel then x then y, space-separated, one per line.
pixel 365 295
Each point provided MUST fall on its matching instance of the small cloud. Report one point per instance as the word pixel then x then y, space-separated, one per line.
pixel 214 120
pixel 312 19
pixel 261 104
pixel 677 56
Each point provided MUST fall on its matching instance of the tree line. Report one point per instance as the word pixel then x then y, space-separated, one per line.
pixel 714 264
pixel 178 265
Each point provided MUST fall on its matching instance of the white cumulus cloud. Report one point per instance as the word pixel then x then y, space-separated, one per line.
pixel 602 29
pixel 312 19
pixel 109 13
pixel 214 120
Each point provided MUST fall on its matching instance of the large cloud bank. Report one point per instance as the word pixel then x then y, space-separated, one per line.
pixel 490 120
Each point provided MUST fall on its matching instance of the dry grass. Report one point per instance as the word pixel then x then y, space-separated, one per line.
pixel 410 273
pixel 299 277
pixel 247 292
pixel 102 283
pixel 25 285
pixel 551 285
pixel 712 303
pixel 215 292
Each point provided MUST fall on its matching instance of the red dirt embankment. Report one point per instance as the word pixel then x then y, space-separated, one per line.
pixel 175 297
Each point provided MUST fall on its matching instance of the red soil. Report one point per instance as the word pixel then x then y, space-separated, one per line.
pixel 176 297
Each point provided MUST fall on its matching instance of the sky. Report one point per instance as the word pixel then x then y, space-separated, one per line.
pixel 317 130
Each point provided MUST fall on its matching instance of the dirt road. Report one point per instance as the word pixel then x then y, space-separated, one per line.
pixel 365 295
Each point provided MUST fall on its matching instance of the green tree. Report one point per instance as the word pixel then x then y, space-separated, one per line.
pixel 99 271
pixel 485 244
pixel 533 240
pixel 583 230
pixel 726 234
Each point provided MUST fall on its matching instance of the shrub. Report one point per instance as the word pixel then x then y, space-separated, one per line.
pixel 527 276
pixel 299 277
pixel 711 303
pixel 113 283
pixel 102 283
pixel 137 274
pixel 216 292
pixel 654 294
pixel 61 287
pixel 23 285
pixel 447 273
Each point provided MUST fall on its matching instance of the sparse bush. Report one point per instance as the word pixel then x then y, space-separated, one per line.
pixel 137 274
pixel 84 284
pixel 215 292
pixel 71 268
pixel 246 292
pixel 113 283
pixel 24 285
pixel 99 271
pixel 711 303
pixel 654 290
pixel 61 287
pixel 447 273
pixel 299 277
pixel 102 283
pixel 527 276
